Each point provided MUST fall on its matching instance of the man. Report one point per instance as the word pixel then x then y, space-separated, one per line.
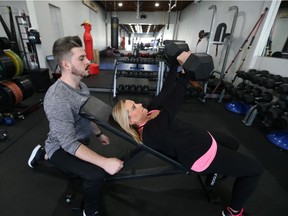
pixel 66 145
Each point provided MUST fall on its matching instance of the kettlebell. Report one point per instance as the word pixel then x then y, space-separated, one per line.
pixel 8 119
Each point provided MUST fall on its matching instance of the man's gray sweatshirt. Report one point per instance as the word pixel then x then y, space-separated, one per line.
pixel 62 104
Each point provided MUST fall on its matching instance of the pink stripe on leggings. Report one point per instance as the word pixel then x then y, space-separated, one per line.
pixel 205 160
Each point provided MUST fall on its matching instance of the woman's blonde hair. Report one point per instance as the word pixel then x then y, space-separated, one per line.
pixel 120 115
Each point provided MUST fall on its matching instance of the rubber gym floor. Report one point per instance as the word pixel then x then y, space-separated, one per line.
pixel 41 191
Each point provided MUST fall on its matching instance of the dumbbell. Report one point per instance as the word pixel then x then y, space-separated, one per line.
pixel 136 89
pixel 146 88
pixel 7 119
pixel 127 88
pixel 240 93
pixel 228 87
pixel 172 49
pixel 241 74
pixel 255 76
pixel 232 90
pixel 145 74
pixel 263 97
pixel 272 116
pixel 262 108
pixel 281 103
pixel 272 81
pixel 199 66
pixel 275 112
pixel 241 90
pixel 282 89
pixel 249 96
pixel 120 88
pixel 282 122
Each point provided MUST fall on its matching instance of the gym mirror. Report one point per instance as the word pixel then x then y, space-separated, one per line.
pixel 144 36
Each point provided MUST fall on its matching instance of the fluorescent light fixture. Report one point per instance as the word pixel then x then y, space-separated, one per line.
pixel 131 27
pixel 148 29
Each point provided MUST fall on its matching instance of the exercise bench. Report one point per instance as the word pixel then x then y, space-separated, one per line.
pixel 100 113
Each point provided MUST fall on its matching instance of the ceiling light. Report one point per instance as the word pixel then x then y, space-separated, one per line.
pixel 148 29
pixel 120 4
pixel 157 4
pixel 131 27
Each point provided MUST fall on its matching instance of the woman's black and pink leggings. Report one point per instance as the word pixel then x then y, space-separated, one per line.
pixel 229 162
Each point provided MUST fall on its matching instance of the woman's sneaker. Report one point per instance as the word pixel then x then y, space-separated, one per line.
pixel 37 154
pixel 229 212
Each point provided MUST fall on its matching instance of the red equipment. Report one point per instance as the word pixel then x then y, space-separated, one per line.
pixel 88 40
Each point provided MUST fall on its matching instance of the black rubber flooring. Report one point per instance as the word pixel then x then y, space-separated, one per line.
pixel 41 191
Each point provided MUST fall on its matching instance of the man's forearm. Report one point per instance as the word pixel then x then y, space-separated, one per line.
pixel 88 155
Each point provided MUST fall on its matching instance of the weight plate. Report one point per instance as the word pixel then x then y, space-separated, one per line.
pixel 14 60
pixel 20 61
pixel 7 98
pixel 7 66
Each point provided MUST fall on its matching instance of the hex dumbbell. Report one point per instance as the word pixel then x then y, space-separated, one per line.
pixel 199 66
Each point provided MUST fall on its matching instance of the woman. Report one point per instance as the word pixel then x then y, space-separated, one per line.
pixel 199 150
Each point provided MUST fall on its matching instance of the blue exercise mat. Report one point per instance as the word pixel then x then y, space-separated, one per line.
pixel 279 138
pixel 237 107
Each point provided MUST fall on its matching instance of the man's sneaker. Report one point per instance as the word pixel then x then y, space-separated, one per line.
pixel 228 212
pixel 37 154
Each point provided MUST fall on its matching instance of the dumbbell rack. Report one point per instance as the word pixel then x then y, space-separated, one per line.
pixel 134 66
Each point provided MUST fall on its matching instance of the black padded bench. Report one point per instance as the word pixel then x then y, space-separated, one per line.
pixel 100 113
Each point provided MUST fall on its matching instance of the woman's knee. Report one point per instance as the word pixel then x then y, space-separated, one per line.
pixel 226 140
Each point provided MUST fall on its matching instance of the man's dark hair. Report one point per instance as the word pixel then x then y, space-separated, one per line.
pixel 63 46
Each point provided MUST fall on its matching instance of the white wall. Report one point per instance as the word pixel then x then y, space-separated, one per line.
pixel 198 16
pixel 193 19
pixel 274 65
pixel 280 30
pixel 73 14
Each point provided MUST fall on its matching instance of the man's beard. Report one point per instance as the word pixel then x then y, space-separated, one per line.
pixel 79 73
